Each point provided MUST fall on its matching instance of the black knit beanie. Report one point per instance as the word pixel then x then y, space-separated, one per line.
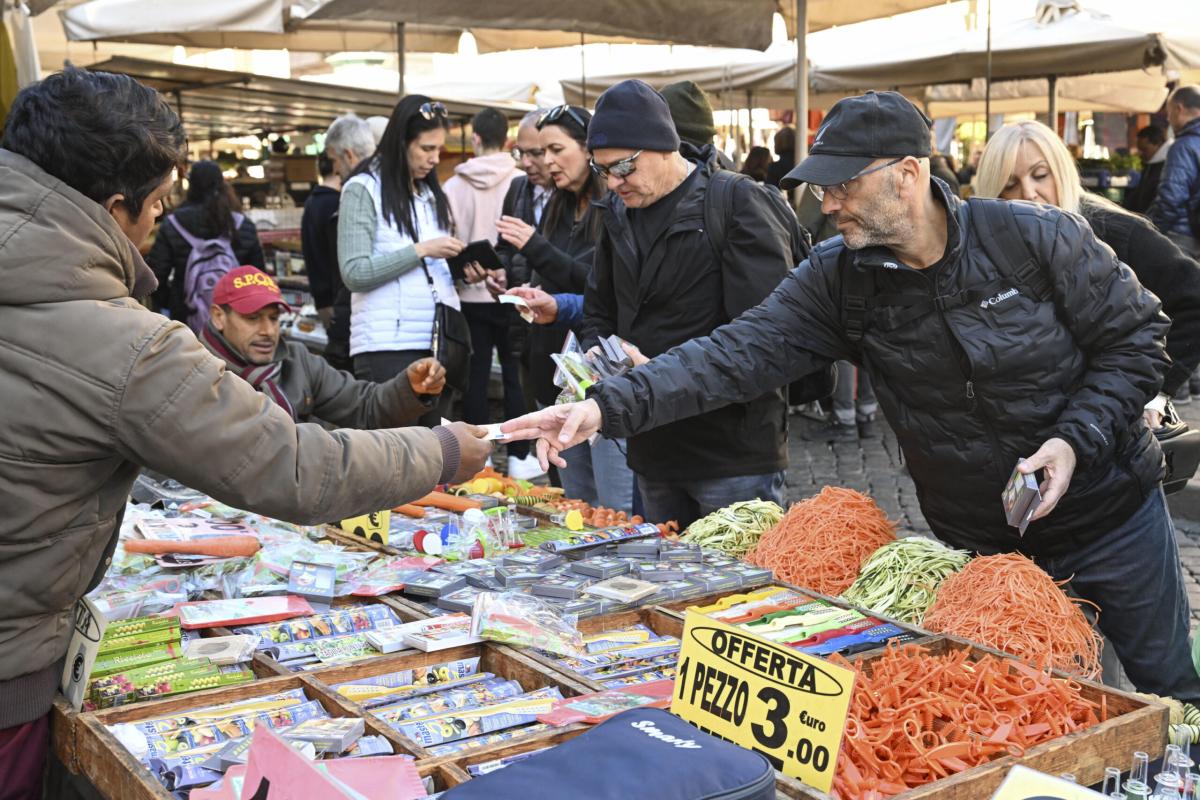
pixel 691 111
pixel 631 115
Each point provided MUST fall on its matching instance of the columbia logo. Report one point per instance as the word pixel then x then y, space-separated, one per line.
pixel 998 299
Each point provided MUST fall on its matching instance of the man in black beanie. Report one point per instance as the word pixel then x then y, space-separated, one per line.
pixel 659 281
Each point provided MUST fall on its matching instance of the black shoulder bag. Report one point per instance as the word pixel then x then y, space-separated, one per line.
pixel 451 344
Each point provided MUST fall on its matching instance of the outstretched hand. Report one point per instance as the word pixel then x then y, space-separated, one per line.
pixel 556 428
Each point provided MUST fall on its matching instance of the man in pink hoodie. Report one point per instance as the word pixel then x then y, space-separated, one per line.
pixel 476 194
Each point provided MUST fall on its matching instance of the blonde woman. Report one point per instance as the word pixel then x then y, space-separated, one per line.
pixel 1027 161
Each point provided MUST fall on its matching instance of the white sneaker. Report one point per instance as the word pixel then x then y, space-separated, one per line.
pixel 524 469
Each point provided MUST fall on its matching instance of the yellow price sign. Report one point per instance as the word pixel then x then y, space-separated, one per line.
pixel 772 699
pixel 373 526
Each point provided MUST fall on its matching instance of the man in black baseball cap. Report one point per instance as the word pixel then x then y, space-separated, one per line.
pixel 998 336
pixel 857 132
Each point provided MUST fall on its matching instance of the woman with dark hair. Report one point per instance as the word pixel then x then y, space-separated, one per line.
pixel 560 253
pixel 393 241
pixel 209 213
pixel 758 161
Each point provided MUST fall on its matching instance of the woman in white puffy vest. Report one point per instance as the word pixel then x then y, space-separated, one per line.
pixel 393 242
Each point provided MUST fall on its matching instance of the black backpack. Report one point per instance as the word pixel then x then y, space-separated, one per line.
pixel 718 211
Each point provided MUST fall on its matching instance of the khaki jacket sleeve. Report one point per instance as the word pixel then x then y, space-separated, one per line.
pixel 182 414
pixel 340 399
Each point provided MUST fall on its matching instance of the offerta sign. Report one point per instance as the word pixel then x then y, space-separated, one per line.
pixel 772 699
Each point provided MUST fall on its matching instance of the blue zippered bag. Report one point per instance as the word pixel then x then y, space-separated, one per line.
pixel 641 753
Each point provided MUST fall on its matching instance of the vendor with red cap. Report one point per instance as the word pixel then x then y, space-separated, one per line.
pixel 243 330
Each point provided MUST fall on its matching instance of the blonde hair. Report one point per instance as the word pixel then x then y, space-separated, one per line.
pixel 1000 156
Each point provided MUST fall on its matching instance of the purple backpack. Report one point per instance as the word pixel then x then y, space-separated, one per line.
pixel 208 262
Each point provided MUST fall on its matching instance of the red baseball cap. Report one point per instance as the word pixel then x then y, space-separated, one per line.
pixel 246 290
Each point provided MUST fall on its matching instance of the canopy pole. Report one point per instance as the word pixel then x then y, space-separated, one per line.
pixel 801 76
pixel 178 103
pixel 400 48
pixel 582 73
pixel 1052 94
pixel 987 98
pixel 749 119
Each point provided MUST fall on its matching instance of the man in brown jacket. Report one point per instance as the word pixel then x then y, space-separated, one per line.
pixel 243 331
pixel 95 386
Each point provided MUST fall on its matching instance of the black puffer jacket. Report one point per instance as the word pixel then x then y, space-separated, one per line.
pixel 679 291
pixel 968 390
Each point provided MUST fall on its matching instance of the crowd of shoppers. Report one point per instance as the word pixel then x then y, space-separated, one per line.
pixel 1034 326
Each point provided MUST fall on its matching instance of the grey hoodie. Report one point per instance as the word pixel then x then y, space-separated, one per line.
pixel 96 386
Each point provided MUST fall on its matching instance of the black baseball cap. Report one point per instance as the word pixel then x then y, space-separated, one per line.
pixel 857 131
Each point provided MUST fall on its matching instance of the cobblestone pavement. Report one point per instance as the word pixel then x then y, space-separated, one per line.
pixel 873 466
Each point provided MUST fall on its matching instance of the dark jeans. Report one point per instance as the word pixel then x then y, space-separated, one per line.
pixel 687 501
pixel 489 323
pixel 23 752
pixel 1133 574
pixel 384 365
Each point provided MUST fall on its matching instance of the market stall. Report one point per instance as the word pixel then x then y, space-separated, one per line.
pixel 486 624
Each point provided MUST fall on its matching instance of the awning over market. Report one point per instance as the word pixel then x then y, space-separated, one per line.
pixel 218 103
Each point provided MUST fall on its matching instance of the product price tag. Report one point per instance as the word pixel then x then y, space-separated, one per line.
pixel 373 526
pixel 1024 783
pixel 775 700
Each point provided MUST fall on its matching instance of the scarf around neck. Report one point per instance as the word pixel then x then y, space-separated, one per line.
pixel 263 377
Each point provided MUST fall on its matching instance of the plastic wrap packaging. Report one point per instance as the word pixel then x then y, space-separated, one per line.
pixel 526 621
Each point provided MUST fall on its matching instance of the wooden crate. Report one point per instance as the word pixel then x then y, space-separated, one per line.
pixel 1133 724
pixel 504 662
pixel 118 775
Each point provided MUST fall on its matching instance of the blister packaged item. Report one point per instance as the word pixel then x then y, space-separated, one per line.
pixel 409 682
pixel 454 725
pixel 475 695
pixel 462 601
pixel 328 735
pixel 666 674
pixel 434 584
pixel 220 613
pixel 534 560
pixel 649 548
pixel 524 620
pixel 601 567
pixel 658 571
pixel 582 540
pixel 371 746
pixel 485 767
pixel 623 589
pixel 441 633
pixel 680 552
pixel 512 577
pixel 223 650
pixel 337 622
pixel 488 739
pixel 1021 498
pixel 569 587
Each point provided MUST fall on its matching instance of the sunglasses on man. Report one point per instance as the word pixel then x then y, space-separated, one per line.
pixel 618 169
pixel 841 191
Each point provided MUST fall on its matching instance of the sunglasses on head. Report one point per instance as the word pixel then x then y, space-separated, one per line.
pixel 433 109
pixel 557 113
pixel 618 169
